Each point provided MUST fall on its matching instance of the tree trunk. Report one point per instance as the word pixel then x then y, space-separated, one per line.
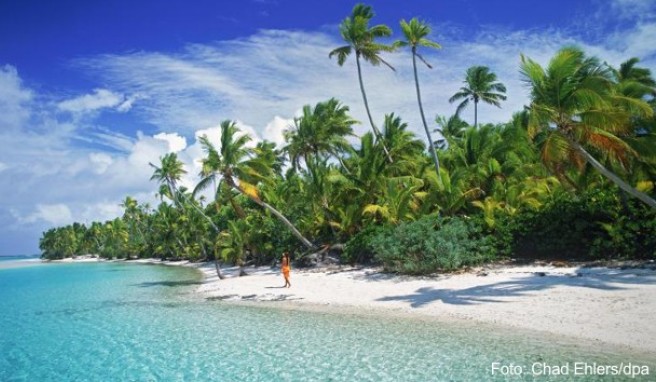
pixel 475 114
pixel 366 106
pixel 612 177
pixel 218 268
pixel 280 216
pixel 431 148
pixel 216 229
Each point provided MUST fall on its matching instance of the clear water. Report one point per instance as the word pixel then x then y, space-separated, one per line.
pixel 130 322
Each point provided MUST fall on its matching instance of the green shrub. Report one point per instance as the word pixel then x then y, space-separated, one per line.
pixel 433 244
pixel 589 226
pixel 359 248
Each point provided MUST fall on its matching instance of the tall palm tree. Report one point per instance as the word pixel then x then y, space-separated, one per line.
pixel 241 170
pixel 360 38
pixel 415 33
pixel 169 173
pixel 573 106
pixel 481 85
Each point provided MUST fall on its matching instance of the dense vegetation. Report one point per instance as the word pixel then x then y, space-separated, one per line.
pixel 570 176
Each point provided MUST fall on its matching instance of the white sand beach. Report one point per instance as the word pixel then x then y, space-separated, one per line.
pixel 601 305
pixel 606 305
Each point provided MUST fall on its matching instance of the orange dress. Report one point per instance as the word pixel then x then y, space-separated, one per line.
pixel 285 269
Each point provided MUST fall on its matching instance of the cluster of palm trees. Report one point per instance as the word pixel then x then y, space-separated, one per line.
pixel 321 189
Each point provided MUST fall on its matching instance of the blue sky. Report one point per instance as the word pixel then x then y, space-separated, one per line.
pixel 92 91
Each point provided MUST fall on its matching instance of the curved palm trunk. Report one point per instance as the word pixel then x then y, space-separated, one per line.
pixel 280 216
pixel 366 106
pixel 612 177
pixel 216 229
pixel 431 148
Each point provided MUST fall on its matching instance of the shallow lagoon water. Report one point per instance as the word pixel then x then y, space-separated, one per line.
pixel 117 321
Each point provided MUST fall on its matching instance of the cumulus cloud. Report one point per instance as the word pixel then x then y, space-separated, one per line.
pixel 176 142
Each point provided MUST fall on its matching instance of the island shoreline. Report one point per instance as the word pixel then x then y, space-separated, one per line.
pixel 588 306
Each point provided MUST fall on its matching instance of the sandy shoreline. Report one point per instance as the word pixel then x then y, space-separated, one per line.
pixel 600 305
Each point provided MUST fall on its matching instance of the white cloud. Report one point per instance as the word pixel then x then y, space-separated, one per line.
pixel 3 167
pixel 14 99
pixel 274 130
pixel 632 9
pixel 101 161
pixel 205 84
pixel 99 99
pixel 54 214
pixel 175 141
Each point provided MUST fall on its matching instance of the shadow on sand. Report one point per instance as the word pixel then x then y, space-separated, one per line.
pixel 607 280
pixel 168 283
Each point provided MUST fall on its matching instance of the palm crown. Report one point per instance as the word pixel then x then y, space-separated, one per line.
pixel 481 86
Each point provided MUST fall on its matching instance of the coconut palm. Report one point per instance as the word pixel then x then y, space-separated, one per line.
pixel 634 81
pixel 574 106
pixel 360 38
pixel 415 33
pixel 241 170
pixel 168 174
pixel 481 85
pixel 321 131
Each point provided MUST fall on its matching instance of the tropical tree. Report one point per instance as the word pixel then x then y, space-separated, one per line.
pixel 360 38
pixel 634 81
pixel 574 106
pixel 415 33
pixel 168 174
pixel 241 170
pixel 320 132
pixel 481 85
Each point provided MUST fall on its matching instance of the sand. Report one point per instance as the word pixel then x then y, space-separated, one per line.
pixel 605 305
pixel 597 305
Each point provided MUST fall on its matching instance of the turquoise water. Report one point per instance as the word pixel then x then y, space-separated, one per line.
pixel 131 322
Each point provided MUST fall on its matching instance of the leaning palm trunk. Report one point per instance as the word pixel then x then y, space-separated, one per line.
pixel 280 216
pixel 431 148
pixel 216 229
pixel 612 177
pixel 366 106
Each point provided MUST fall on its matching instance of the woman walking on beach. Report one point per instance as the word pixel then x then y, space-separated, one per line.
pixel 286 267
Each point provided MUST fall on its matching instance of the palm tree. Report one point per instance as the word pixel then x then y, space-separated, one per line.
pixel 320 132
pixel 241 171
pixel 573 105
pixel 415 33
pixel 360 38
pixel 169 173
pixel 481 86
pixel 634 81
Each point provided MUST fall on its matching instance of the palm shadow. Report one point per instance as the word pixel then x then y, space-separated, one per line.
pixel 521 286
pixel 168 283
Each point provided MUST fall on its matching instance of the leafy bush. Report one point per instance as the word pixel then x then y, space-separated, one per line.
pixel 589 226
pixel 433 244
pixel 359 248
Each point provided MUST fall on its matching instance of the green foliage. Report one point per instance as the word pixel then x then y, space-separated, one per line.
pixel 360 249
pixel 529 188
pixel 594 225
pixel 433 244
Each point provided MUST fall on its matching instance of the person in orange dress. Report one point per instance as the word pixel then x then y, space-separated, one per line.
pixel 286 267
